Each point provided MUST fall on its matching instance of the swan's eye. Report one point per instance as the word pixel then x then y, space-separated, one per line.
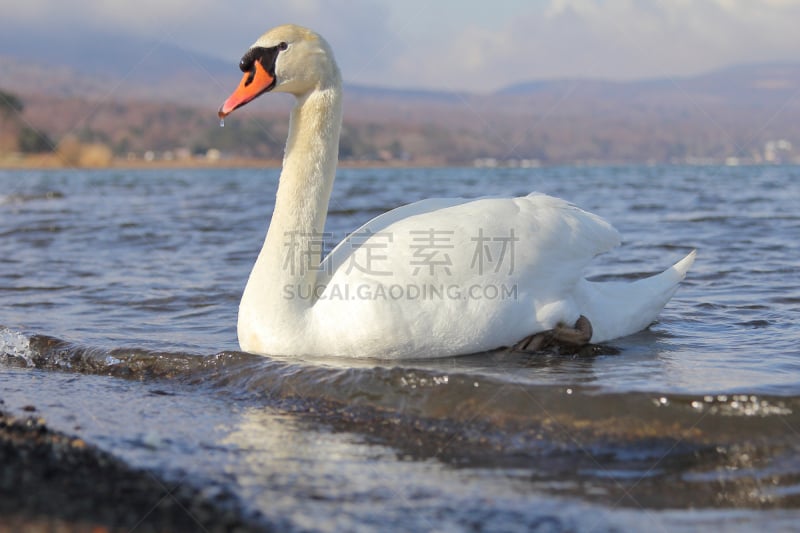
pixel 283 46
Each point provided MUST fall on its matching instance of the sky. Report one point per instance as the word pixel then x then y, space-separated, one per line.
pixel 469 45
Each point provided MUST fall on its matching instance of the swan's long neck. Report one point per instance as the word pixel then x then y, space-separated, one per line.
pixel 281 285
pixel 304 189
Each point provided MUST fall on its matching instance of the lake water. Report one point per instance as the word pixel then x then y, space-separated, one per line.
pixel 118 298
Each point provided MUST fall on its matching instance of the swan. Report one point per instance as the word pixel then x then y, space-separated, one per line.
pixel 435 278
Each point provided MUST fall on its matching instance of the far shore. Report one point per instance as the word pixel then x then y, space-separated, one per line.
pixel 52 161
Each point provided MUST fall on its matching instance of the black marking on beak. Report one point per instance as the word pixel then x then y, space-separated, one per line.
pixel 267 56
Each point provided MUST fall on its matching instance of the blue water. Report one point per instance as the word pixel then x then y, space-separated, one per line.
pixel 118 299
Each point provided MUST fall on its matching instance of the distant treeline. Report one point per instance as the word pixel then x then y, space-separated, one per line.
pixel 17 134
pixel 538 128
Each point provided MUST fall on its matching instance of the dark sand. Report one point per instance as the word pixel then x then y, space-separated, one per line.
pixel 54 482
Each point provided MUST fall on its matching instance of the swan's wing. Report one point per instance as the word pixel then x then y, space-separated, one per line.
pixel 342 252
pixel 544 226
pixel 453 275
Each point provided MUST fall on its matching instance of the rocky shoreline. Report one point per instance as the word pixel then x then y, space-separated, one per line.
pixel 50 481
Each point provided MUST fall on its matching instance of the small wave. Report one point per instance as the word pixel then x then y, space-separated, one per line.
pixel 20 198
pixel 50 353
pixel 15 345
pixel 458 395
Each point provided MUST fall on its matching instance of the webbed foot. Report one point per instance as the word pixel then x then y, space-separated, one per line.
pixel 563 338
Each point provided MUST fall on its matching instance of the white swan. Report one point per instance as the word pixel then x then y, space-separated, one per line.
pixel 435 278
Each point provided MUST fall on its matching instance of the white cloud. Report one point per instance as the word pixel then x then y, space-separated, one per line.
pixel 615 39
pixel 459 44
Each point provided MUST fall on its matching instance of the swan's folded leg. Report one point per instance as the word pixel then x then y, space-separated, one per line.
pixel 559 337
pixel 576 336
pixel 534 343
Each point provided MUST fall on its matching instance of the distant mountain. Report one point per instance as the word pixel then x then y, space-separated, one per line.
pixel 382 93
pixel 105 54
pixel 747 84
pixel 98 65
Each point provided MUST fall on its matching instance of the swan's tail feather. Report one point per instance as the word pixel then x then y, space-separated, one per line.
pixel 683 266
pixel 617 309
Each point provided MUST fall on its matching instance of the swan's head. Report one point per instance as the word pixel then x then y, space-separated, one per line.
pixel 288 59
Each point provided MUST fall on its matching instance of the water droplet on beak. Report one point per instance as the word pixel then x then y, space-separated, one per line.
pixel 221 122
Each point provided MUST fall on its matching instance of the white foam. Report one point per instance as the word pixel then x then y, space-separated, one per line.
pixel 15 344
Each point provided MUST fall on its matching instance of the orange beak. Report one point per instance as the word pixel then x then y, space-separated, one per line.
pixel 254 83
